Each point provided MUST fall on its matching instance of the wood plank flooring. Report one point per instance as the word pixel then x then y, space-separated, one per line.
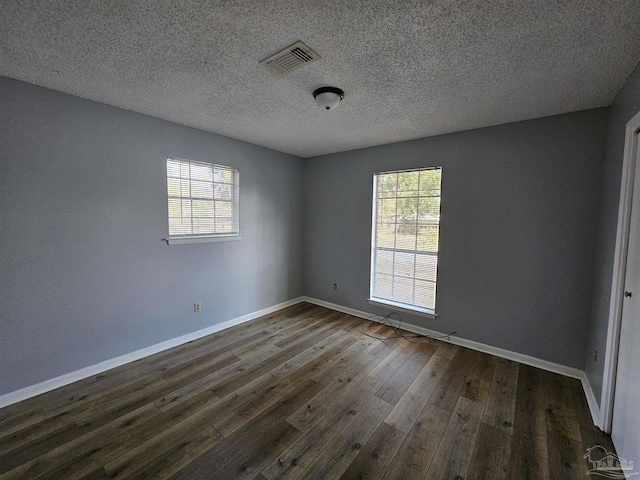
pixel 304 394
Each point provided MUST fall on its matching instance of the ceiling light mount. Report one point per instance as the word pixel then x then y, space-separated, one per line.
pixel 328 97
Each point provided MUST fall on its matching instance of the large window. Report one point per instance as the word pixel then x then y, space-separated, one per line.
pixel 202 201
pixel 406 224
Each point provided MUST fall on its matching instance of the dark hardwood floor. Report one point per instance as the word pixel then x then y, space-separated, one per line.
pixel 303 393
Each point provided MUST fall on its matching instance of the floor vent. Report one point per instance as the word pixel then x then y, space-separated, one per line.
pixel 291 58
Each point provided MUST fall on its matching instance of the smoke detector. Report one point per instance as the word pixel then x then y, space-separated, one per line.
pixel 291 58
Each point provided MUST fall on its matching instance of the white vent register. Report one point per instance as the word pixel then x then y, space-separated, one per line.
pixel 291 58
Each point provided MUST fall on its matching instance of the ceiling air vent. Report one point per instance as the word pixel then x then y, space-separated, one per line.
pixel 291 58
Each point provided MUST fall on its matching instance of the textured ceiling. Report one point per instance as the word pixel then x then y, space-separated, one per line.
pixel 409 69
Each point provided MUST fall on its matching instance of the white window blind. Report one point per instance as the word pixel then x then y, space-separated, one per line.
pixel 406 225
pixel 203 199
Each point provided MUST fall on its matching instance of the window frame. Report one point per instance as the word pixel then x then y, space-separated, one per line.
pixel 387 303
pixel 205 237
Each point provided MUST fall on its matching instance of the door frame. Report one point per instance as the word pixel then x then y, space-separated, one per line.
pixel 619 270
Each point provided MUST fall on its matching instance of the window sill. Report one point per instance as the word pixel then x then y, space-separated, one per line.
pixel 421 312
pixel 203 239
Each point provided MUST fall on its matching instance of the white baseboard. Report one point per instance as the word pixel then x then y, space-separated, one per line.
pixel 463 342
pixel 481 347
pixel 591 401
pixel 67 378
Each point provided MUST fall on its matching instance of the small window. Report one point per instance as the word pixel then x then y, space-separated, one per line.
pixel 405 233
pixel 202 201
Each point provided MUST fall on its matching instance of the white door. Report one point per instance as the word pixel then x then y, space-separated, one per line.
pixel 626 405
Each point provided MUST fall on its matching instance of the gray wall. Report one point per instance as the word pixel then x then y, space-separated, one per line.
pixel 519 223
pixel 624 107
pixel 84 274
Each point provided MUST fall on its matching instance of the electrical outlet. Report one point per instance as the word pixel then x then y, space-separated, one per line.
pixel 335 286
pixel 197 307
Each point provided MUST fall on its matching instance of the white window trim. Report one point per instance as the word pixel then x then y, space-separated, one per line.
pixel 202 239
pixel 213 237
pixel 383 302
pixel 403 307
